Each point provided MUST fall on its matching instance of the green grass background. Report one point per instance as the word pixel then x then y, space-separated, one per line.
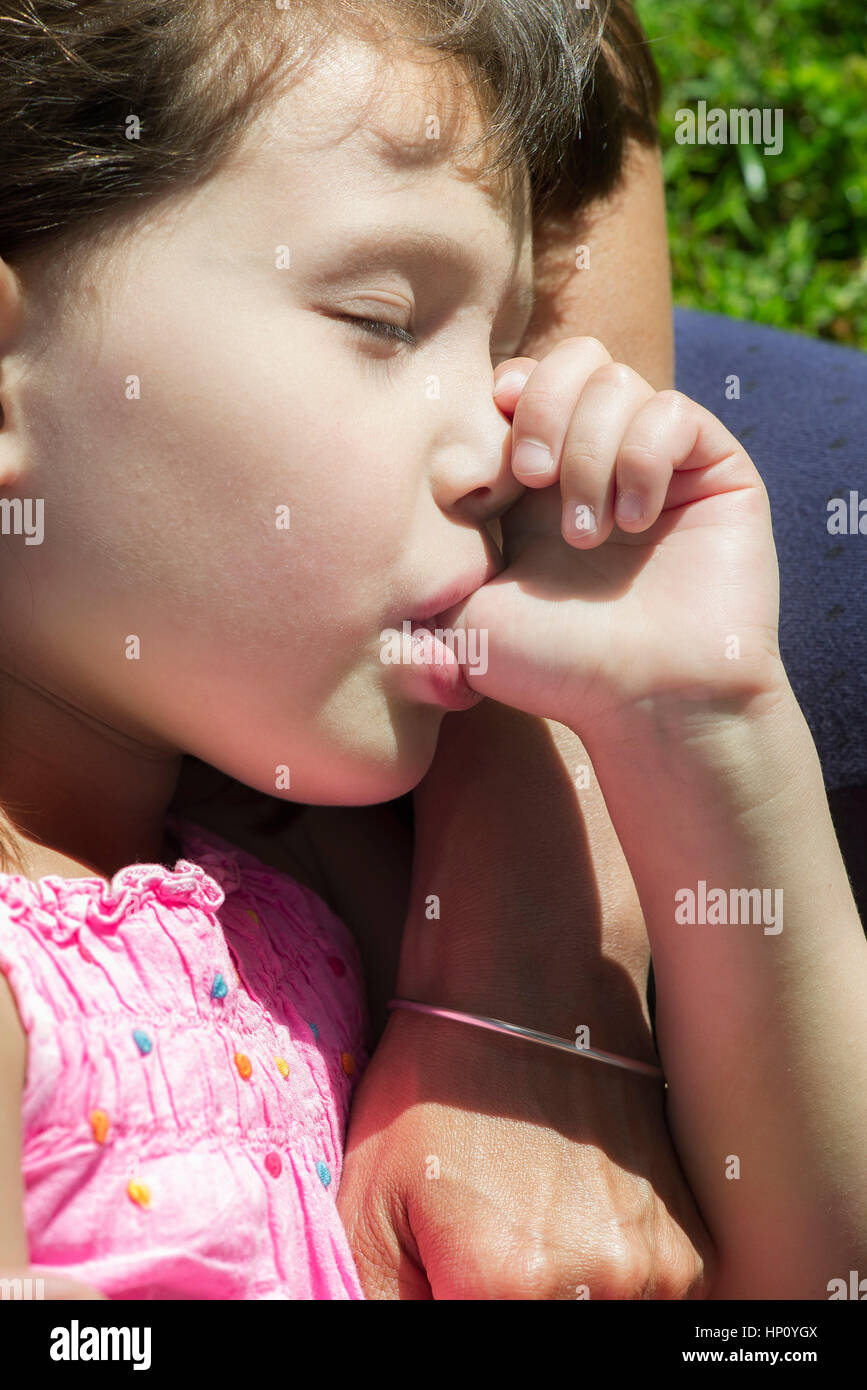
pixel 778 239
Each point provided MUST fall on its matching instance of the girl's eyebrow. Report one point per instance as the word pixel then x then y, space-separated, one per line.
pixel 380 247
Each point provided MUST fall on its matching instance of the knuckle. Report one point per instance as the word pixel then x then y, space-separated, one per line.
pixel 537 1270
pixel 482 1271
pixel 616 374
pixel 587 343
pixel 681 1273
pixel 638 459
pixel 534 409
pixel 579 453
pixel 698 1279
pixel 760 487
pixel 675 403
pixel 624 1271
pixel 701 1267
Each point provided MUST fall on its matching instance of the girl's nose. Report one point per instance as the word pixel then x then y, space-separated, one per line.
pixel 472 470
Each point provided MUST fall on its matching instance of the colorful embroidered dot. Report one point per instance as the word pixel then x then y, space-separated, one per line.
pixel 282 1067
pixel 273 1164
pixel 99 1125
pixel 347 1061
pixel 244 1065
pixel 315 1031
pixel 139 1192
pixel 142 1041
pixel 219 989
pixel 324 1173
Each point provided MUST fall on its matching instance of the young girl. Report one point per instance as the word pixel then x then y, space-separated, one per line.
pixel 318 437
pixel 229 514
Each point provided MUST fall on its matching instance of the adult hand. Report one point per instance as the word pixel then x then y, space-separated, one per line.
pixel 483 1167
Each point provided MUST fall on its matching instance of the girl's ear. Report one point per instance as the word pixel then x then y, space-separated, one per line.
pixel 11 316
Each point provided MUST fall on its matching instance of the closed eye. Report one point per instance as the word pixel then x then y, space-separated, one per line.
pixel 380 328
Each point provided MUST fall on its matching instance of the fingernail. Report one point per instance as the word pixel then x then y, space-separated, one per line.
pixel 582 519
pixel 531 457
pixel 510 381
pixel 629 507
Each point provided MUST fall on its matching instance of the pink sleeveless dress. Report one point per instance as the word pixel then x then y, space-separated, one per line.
pixel 194 1036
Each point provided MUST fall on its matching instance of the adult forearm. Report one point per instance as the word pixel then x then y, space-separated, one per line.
pixel 521 904
pixel 604 271
pixel 760 1022
pixel 502 810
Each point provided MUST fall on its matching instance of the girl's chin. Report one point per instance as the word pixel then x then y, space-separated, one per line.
pixel 416 732
pixel 366 775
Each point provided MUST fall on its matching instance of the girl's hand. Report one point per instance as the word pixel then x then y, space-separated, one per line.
pixel 640 564
pixel 480 1167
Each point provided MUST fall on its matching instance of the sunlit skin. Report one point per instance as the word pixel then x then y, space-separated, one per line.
pixel 253 663
pixel 259 645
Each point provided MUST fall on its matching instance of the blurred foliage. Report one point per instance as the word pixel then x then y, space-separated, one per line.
pixel 780 239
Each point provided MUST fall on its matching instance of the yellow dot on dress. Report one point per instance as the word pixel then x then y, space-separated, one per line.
pixel 244 1065
pixel 139 1192
pixel 250 913
pixel 99 1125
pixel 282 1067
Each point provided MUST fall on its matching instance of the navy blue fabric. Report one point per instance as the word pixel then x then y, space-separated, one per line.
pixel 802 418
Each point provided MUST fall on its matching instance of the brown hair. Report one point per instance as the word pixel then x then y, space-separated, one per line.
pixel 563 88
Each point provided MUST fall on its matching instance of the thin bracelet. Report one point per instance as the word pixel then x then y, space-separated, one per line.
pixel 496 1025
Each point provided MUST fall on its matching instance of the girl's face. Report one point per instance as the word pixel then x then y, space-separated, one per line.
pixel 211 383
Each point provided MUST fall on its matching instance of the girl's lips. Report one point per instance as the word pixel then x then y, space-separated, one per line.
pixel 429 624
pixel 437 676
pixel 431 615
pixel 432 672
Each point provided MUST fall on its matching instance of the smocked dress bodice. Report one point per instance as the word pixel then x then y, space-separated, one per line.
pixel 193 1039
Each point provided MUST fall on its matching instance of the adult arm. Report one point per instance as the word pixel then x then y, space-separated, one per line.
pixel 623 296
pixel 572 1184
